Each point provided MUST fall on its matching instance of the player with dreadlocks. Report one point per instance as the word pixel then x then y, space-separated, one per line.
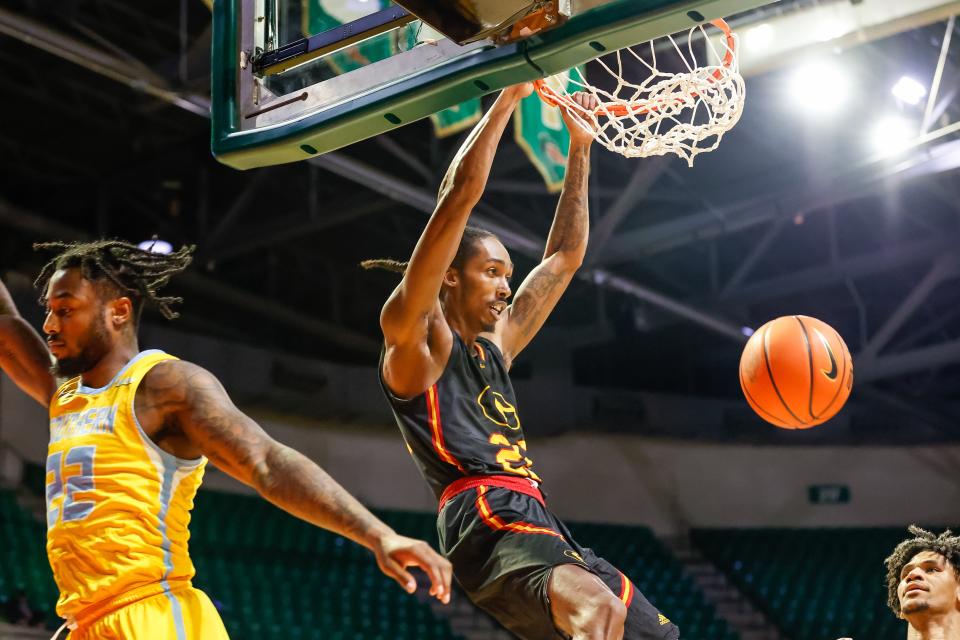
pixel 451 334
pixel 130 434
pixel 923 584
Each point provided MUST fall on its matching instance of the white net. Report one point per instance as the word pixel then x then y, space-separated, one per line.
pixel 683 112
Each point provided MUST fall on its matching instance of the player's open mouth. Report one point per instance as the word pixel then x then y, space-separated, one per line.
pixel 498 309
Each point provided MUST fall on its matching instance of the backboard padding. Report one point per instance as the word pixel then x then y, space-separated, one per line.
pixel 416 83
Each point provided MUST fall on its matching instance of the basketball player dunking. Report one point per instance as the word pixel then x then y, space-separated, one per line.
pixel 130 434
pixel 450 338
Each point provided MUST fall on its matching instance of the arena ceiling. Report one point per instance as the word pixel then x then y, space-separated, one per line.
pixel 104 134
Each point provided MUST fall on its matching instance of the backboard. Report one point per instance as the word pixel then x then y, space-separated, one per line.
pixel 296 78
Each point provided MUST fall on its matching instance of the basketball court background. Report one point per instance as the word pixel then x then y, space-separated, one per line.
pixel 105 132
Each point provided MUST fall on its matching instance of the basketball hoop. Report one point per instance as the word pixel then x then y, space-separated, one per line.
pixel 684 113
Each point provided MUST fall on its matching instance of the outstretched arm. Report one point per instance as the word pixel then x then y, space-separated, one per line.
pixel 23 355
pixel 180 398
pixel 565 249
pixel 405 315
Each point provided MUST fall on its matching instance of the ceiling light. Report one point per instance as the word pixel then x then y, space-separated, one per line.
pixel 758 38
pixel 819 88
pixel 909 90
pixel 893 134
pixel 830 30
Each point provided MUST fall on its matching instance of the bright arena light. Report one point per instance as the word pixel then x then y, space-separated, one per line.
pixel 893 134
pixel 828 30
pixel 909 90
pixel 758 38
pixel 156 246
pixel 819 88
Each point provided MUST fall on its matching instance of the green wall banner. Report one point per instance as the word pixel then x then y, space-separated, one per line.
pixel 539 130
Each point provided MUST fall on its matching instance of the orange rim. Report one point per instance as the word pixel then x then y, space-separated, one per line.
pixel 554 99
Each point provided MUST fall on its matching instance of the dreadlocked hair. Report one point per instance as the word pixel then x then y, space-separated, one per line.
pixel 467 248
pixel 946 544
pixel 132 271
pixel 386 264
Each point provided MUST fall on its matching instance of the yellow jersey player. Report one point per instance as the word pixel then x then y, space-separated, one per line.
pixel 130 434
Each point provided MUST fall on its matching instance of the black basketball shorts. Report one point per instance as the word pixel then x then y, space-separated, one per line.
pixel 503 545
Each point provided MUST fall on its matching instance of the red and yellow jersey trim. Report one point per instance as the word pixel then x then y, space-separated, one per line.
pixel 626 590
pixel 436 428
pixel 497 523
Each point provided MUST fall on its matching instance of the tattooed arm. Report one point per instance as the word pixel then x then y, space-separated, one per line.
pixel 417 345
pixel 23 355
pixel 565 249
pixel 186 411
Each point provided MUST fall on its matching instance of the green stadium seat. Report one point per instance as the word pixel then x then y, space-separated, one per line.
pixel 782 572
pixel 276 577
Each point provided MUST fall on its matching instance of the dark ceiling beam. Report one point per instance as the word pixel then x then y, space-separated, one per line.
pixel 644 176
pixel 164 226
pixel 53 169
pixel 938 75
pixel 523 243
pixel 897 364
pixel 758 251
pixel 239 205
pixel 946 266
pixel 112 46
pixel 418 197
pixel 934 416
pixel 934 326
pixel 294 228
pixel 830 274
pixel 538 188
pixel 694 195
pixel 69 48
pixel 803 199
pixel 122 18
pixel 16 217
pixel 407 158
pixel 65 104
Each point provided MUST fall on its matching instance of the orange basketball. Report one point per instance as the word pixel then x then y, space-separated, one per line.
pixel 796 372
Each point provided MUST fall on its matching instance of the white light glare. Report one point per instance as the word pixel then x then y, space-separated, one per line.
pixel 758 38
pixel 828 30
pixel 747 331
pixel 893 134
pixel 819 88
pixel 156 246
pixel 909 90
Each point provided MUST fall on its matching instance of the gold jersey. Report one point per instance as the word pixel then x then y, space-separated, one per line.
pixel 118 506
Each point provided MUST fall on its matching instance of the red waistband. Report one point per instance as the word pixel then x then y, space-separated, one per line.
pixel 520 485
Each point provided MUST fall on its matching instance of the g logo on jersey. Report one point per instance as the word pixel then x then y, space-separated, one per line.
pixel 497 409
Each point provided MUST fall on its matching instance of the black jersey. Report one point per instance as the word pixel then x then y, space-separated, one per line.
pixel 499 535
pixel 467 423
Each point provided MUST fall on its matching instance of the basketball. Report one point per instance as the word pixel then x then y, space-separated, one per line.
pixel 796 372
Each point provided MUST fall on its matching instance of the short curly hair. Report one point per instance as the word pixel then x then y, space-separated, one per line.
pixel 946 544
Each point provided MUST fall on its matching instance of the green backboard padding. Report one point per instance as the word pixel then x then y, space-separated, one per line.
pixel 614 25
